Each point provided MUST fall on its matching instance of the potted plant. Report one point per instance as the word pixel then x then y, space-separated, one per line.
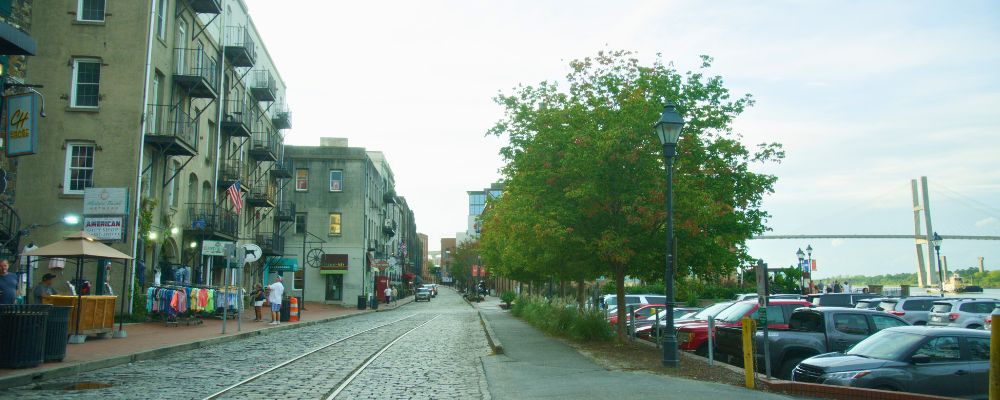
pixel 507 298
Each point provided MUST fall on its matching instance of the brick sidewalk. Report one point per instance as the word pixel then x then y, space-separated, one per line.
pixel 153 339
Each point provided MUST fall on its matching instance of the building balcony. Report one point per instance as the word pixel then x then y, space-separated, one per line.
pixel 237 118
pixel 389 197
pixel 229 173
pixel 197 73
pixel 262 194
pixel 240 49
pixel 263 87
pixel 282 118
pixel 206 6
pixel 271 244
pixel 10 223
pixel 286 211
pixel 264 146
pixel 210 221
pixel 281 170
pixel 171 130
pixel 389 228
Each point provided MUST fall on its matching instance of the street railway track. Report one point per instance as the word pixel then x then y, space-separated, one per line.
pixel 343 383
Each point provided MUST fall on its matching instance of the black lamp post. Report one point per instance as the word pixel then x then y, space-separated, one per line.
pixel 802 274
pixel 809 263
pixel 668 129
pixel 937 249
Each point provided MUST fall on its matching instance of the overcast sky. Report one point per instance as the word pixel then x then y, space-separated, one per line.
pixel 865 96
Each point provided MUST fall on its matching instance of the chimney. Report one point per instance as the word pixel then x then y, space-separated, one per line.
pixel 981 267
pixel 332 142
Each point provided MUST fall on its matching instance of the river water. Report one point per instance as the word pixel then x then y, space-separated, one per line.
pixel 990 293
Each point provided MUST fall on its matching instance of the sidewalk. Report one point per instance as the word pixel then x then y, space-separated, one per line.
pixel 155 339
pixel 535 366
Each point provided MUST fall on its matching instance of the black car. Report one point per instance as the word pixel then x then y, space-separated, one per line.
pixel 938 361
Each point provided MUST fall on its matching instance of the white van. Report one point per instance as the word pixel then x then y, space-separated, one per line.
pixel 610 301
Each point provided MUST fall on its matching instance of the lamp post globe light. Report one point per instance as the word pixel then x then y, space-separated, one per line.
pixel 936 240
pixel 668 130
pixel 802 256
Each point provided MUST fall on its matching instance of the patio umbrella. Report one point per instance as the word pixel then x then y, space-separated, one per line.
pixel 80 245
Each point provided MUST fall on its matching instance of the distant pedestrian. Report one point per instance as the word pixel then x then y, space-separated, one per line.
pixel 44 289
pixel 275 292
pixel 820 286
pixel 257 295
pixel 8 284
pixel 388 294
pixel 837 288
pixel 847 287
pixel 395 295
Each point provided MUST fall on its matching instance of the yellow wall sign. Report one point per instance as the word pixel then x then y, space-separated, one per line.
pixel 21 124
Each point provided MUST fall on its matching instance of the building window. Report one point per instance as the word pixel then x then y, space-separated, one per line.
pixel 299 281
pixel 477 202
pixel 79 168
pixel 173 195
pixel 161 19
pixel 336 180
pixel 334 224
pixel 301 180
pixel 86 83
pixel 300 223
pixel 90 10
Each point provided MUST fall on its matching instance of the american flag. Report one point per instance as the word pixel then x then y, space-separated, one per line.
pixel 234 196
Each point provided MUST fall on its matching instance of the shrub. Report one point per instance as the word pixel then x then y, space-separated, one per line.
pixel 508 297
pixel 562 318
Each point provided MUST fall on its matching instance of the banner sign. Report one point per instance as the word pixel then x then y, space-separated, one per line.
pixel 105 229
pixel 214 247
pixel 813 265
pixel 21 124
pixel 105 201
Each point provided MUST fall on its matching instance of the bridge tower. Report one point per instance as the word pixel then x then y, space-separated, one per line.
pixel 926 276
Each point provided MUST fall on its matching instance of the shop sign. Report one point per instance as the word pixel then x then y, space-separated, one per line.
pixel 21 124
pixel 214 247
pixel 105 201
pixel 334 262
pixel 283 265
pixel 105 229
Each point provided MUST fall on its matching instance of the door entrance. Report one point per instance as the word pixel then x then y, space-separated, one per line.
pixel 335 287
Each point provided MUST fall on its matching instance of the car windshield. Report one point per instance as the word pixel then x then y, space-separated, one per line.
pixel 886 345
pixel 712 310
pixel 736 312
pixel 888 305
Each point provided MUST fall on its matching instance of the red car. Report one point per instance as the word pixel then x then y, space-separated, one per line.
pixel 694 336
pixel 645 311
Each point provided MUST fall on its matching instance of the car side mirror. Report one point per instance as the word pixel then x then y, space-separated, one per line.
pixel 920 359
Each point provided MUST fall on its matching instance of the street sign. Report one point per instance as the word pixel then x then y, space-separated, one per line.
pixel 253 252
pixel 762 319
pixel 761 270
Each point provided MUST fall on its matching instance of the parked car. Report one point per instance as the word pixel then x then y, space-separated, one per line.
pixel 679 314
pixel 694 336
pixel 610 302
pixel 874 303
pixel 753 296
pixel 961 313
pixel 653 330
pixel 915 310
pixel 641 312
pixel 814 331
pixel 422 294
pixel 838 299
pixel 936 361
pixel 432 287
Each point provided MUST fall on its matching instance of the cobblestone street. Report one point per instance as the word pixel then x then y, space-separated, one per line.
pixel 437 360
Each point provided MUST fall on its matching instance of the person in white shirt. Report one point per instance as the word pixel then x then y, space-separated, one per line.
pixel 274 293
pixel 388 294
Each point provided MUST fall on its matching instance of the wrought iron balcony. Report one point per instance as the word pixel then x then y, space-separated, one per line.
pixel 171 130
pixel 281 170
pixel 237 119
pixel 208 220
pixel 282 118
pixel 263 87
pixel 10 224
pixel 197 73
pixel 286 211
pixel 229 173
pixel 271 244
pixel 240 49
pixel 389 228
pixel 262 194
pixel 389 197
pixel 264 146
pixel 206 6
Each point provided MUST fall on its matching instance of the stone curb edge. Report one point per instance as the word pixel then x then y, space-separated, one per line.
pixel 30 377
pixel 491 336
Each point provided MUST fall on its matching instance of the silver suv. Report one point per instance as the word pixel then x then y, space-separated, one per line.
pixel 961 313
pixel 915 310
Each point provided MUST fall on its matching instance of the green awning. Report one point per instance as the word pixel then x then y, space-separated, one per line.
pixel 333 272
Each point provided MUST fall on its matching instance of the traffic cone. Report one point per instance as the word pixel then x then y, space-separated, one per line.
pixel 293 313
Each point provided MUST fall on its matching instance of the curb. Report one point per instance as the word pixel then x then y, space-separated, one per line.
pixel 29 377
pixel 491 336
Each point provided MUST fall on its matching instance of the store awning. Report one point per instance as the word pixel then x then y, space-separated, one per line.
pixel 333 272
pixel 13 42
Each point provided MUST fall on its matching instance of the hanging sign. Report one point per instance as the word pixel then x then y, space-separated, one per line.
pixel 253 252
pixel 105 229
pixel 105 201
pixel 214 247
pixel 21 124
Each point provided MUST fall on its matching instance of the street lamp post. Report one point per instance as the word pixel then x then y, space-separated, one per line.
pixel 809 262
pixel 802 275
pixel 668 130
pixel 937 249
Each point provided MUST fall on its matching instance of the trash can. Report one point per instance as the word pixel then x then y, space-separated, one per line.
pixel 374 302
pixel 57 333
pixel 286 310
pixel 22 335
pixel 362 302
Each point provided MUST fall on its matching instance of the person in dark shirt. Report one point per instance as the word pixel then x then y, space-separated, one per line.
pixel 43 289
pixel 8 284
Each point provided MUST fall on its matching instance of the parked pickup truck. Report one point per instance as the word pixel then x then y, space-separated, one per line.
pixel 694 336
pixel 814 331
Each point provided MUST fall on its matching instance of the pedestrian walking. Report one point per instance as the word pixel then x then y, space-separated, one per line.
pixel 275 291
pixel 388 294
pixel 8 284
pixel 44 289
pixel 837 288
pixel 395 296
pixel 847 287
pixel 257 295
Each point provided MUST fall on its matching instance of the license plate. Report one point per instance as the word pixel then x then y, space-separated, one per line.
pixel 937 318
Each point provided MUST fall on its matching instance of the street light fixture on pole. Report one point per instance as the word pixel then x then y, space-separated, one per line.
pixel 937 249
pixel 802 274
pixel 809 262
pixel 668 129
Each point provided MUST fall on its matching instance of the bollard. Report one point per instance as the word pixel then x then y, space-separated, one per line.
pixel 631 321
pixel 711 340
pixel 749 329
pixel 995 356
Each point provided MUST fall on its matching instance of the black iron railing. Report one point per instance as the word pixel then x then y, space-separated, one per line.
pixel 171 121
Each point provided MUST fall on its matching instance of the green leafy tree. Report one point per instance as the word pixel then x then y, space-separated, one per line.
pixel 585 185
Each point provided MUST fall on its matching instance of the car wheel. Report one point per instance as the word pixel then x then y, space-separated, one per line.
pixel 975 326
pixel 786 368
